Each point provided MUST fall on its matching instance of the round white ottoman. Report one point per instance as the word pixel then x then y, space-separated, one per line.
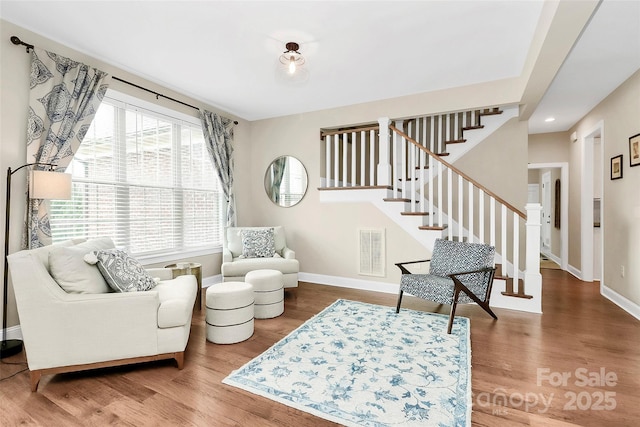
pixel 268 289
pixel 229 312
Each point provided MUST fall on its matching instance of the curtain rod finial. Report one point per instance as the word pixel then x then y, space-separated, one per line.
pixel 16 40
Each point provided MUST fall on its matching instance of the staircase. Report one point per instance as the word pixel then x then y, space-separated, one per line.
pixel 404 168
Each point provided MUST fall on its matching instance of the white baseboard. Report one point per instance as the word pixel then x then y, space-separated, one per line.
pixel 552 257
pixel 627 305
pixel 211 280
pixel 344 282
pixel 14 333
pixel 574 271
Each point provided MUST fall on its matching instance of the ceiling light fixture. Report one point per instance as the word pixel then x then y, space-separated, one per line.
pixel 291 57
pixel 550 119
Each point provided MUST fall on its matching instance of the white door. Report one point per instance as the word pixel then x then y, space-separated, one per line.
pixel 546 211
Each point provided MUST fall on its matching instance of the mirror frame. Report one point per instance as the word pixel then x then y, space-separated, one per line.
pixel 276 199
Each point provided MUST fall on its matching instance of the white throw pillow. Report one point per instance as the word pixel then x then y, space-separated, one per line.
pixel 67 267
pixel 122 272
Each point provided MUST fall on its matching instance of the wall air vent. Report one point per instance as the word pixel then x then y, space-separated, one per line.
pixel 371 261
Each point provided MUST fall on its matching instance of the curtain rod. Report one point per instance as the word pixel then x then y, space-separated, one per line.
pixel 16 41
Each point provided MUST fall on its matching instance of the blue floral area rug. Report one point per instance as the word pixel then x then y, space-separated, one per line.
pixel 363 364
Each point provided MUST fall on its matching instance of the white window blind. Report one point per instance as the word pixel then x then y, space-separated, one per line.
pixel 146 180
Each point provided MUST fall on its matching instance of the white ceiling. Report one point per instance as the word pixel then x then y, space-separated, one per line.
pixel 607 53
pixel 225 53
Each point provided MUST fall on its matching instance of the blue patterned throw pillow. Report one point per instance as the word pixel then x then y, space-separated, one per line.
pixel 122 273
pixel 258 243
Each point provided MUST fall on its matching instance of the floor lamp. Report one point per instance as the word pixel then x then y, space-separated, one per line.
pixel 42 185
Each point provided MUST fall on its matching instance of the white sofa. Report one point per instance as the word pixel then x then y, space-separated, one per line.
pixel 64 332
pixel 235 266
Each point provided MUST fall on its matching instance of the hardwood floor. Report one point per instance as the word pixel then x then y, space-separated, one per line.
pixel 516 358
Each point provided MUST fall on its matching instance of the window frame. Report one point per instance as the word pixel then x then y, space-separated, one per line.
pixel 124 103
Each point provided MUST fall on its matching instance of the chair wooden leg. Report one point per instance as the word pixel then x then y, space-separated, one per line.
pixel 454 304
pixel 399 301
pixel 486 308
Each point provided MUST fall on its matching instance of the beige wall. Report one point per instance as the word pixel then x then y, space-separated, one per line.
pixel 500 163
pixel 14 95
pixel 620 113
pixel 549 147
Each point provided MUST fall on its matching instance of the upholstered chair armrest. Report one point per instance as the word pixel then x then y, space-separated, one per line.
pixel 288 253
pixel 480 270
pixel 401 265
pixel 227 256
pixel 161 273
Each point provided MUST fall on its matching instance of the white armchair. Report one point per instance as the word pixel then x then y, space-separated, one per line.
pixel 65 332
pixel 235 266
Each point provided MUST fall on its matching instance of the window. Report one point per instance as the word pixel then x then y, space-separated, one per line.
pixel 143 177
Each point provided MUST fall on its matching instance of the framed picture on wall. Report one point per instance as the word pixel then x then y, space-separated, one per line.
pixel 616 167
pixel 634 150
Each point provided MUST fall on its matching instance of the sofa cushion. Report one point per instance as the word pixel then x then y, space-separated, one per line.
pixel 122 272
pixel 258 243
pixel 67 267
pixel 241 266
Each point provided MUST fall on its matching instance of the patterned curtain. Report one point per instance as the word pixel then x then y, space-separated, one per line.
pixel 219 136
pixel 63 99
pixel 278 166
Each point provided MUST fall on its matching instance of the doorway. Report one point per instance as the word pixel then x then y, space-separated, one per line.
pixel 554 232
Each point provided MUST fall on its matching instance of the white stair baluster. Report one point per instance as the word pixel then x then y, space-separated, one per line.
pixel 394 163
pixel 503 248
pixel 372 157
pixel 421 181
pixel 336 160
pixel 492 221
pixel 516 252
pixel 327 161
pixel 412 175
pixel 353 159
pixel 363 156
pixel 481 215
pixel 440 217
pixel 471 217
pixel 460 209
pixel 345 159
pixel 450 203
pixel 430 171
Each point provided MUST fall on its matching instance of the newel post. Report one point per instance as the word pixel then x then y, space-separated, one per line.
pixel 384 165
pixel 532 276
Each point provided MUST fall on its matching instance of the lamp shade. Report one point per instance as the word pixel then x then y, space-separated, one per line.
pixel 50 185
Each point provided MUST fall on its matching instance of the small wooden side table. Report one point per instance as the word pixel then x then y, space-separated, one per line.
pixel 186 268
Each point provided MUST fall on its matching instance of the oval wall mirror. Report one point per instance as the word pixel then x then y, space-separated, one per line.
pixel 285 181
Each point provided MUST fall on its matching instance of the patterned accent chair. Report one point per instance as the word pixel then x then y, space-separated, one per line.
pixel 459 272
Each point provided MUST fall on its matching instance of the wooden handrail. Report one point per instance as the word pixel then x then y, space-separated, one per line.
pixel 339 131
pixel 459 172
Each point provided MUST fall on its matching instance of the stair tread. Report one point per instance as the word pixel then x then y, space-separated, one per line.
pixel 414 213
pixel 473 127
pixel 433 227
pixel 391 199
pixel 517 295
pixel 490 113
pixel 442 154
pixel 456 141
pixel 422 167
